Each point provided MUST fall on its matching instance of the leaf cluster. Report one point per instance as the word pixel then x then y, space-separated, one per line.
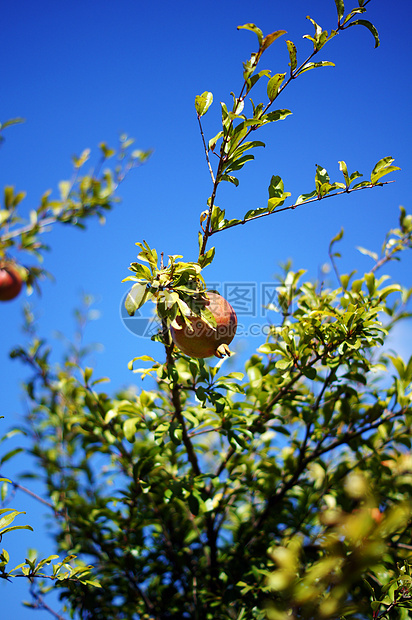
pixel 278 490
pixel 85 195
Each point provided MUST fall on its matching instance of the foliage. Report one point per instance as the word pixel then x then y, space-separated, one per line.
pixel 280 492
pixel 83 196
pixel 279 488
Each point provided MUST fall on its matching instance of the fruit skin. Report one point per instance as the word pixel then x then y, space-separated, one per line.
pixel 203 341
pixel 10 281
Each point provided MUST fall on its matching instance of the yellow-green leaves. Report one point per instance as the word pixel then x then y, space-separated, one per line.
pixel 320 37
pixel 277 195
pixel 253 28
pixel 7 516
pixel 79 161
pixel 148 255
pixel 292 55
pixel 274 84
pixel 315 65
pixel 12 121
pixel 106 151
pixel 382 168
pixel 324 186
pixel 340 7
pixel 136 297
pixel 203 102
pixel 264 42
pixel 369 26
pixel 348 179
pixel 176 288
pixel 344 22
pixel 269 39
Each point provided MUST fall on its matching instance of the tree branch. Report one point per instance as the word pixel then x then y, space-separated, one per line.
pixel 295 205
pixel 206 150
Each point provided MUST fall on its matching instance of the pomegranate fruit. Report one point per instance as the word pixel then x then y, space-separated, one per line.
pixel 201 340
pixel 10 281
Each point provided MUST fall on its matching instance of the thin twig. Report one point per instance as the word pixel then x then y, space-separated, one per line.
pixel 16 485
pixel 206 150
pixel 40 604
pixel 295 205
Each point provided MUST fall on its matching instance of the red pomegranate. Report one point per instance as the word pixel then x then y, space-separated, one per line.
pixel 10 281
pixel 200 340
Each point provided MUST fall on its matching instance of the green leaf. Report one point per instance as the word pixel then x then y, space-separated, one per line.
pixel 136 297
pixel 140 271
pixel 370 282
pixel 249 67
pixel 366 252
pixel 269 39
pixel 362 184
pixel 218 216
pixel 277 195
pixel 16 527
pixel 175 433
pixel 273 203
pixel 255 212
pixel 336 238
pixel 314 65
pixel 203 102
pixel 277 115
pixel 284 364
pixel 321 36
pixel 10 454
pixel 255 29
pixel 207 258
pixel 143 358
pixel 274 85
pixel 79 161
pixel 276 187
pixel 129 428
pixel 292 55
pixel 245 147
pixel 8 518
pixel 382 168
pixel 304 197
pixel 340 7
pixel 344 169
pixel 4 215
pixel 230 179
pixel 148 255
pixel 64 189
pixel 309 372
pixel 12 121
pixel 193 504
pixel 237 164
pixel 255 78
pixel 8 196
pixel 387 290
pixel 213 141
pixel 267 348
pixel 226 120
pixel 369 26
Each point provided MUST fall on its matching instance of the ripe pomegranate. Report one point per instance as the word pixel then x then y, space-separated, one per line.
pixel 10 281
pixel 200 340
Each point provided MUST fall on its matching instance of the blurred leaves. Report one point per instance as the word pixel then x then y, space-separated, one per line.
pixel 85 195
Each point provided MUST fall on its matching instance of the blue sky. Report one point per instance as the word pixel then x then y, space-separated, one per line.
pixel 83 72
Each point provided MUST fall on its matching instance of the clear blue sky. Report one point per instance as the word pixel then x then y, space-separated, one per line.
pixel 83 72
